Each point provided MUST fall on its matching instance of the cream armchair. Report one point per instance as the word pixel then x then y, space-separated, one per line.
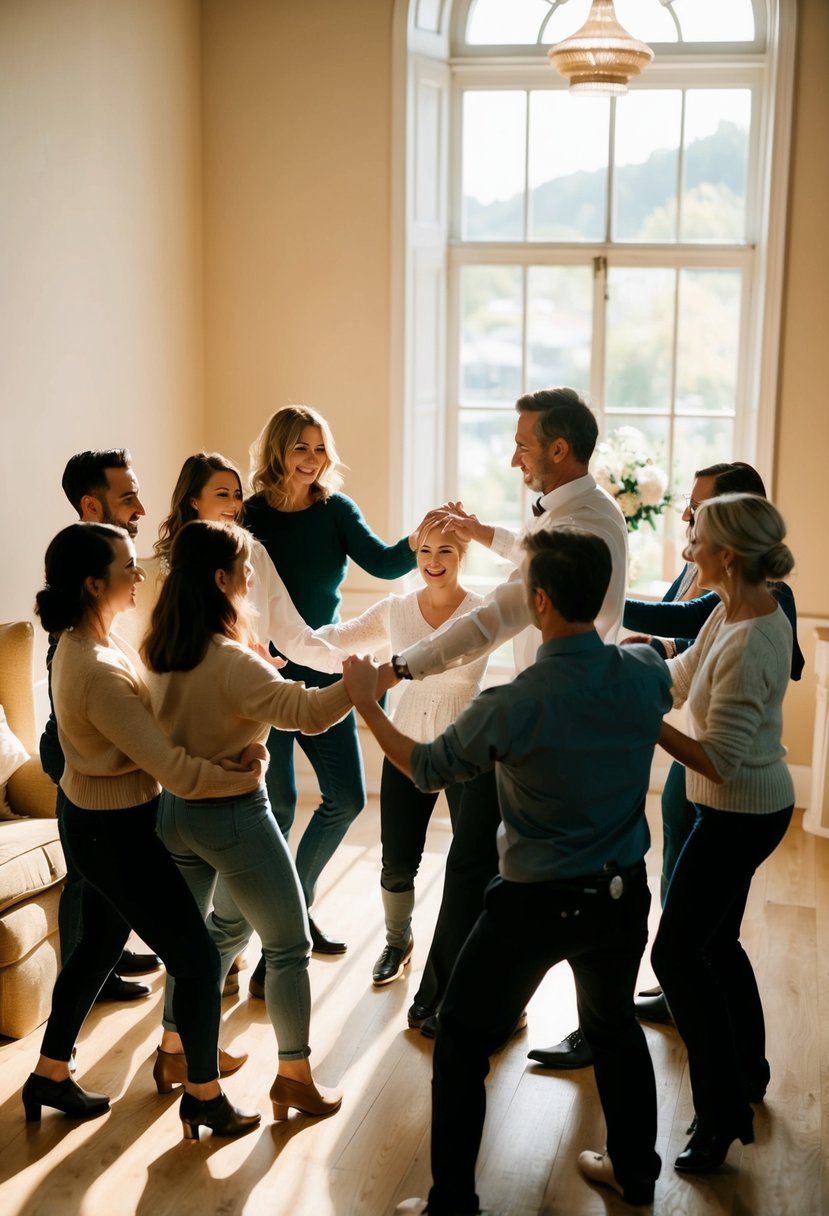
pixel 32 865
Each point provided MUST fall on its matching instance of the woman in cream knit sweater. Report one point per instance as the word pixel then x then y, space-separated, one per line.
pixel 213 693
pixel 733 678
pixel 115 757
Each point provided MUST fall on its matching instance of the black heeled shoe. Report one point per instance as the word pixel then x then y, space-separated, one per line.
pixel 66 1096
pixel 706 1150
pixel 218 1114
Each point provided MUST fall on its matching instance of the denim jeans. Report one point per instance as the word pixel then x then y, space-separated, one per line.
pixel 471 864
pixel 678 815
pixel 705 973
pixel 338 764
pixel 523 931
pixel 234 858
pixel 405 812
pixel 130 880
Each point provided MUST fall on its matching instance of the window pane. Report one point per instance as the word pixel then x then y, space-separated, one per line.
pixel 647 138
pixel 708 336
pixel 650 22
pixel 494 137
pixel 567 166
pixel 559 326
pixel 716 158
pixel 494 21
pixel 714 21
pixel 491 334
pixel 487 485
pixel 640 314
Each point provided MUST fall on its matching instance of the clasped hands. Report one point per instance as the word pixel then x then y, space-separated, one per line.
pixel 366 681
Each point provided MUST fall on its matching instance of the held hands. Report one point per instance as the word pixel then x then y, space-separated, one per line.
pixel 452 517
pixel 273 659
pixel 254 759
pixel 364 682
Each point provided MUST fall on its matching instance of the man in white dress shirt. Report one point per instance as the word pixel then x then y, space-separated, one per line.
pixel 555 435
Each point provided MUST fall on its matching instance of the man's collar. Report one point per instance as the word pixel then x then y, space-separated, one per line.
pixel 574 643
pixel 570 489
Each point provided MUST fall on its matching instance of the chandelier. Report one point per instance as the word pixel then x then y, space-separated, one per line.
pixel 602 56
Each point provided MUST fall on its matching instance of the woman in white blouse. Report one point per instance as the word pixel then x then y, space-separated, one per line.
pixel 209 487
pixel 424 710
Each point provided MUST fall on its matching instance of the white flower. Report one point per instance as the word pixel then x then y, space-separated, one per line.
pixel 629 504
pixel 603 479
pixel 652 485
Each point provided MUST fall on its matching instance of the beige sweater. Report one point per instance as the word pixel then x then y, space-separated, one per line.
pixel 116 753
pixel 233 698
pixel 734 679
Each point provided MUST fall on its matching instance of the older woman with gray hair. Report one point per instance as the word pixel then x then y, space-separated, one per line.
pixel 734 679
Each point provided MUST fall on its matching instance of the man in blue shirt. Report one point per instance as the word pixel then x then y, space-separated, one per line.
pixel 571 740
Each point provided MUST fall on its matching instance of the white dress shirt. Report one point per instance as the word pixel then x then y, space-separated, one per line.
pixel 278 621
pixel 505 612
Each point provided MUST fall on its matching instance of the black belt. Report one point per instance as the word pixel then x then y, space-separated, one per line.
pixel 610 881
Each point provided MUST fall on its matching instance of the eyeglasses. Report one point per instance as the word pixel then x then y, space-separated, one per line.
pixel 691 505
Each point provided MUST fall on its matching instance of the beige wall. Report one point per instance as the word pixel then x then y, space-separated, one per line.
pixel 100 256
pixel 803 418
pixel 297 227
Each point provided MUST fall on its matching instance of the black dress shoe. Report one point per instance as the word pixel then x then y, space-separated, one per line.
pixel 66 1096
pixel 418 1014
pixel 571 1052
pixel 137 964
pixel 321 944
pixel 706 1151
pixel 391 963
pixel 653 1009
pixel 116 989
pixel 429 1027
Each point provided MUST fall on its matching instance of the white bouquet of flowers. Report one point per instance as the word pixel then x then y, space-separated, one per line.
pixel 624 468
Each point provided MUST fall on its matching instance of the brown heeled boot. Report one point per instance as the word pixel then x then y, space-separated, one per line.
pixel 170 1068
pixel 308 1098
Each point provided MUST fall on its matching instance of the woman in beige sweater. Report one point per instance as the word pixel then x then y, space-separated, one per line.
pixel 213 693
pixel 115 757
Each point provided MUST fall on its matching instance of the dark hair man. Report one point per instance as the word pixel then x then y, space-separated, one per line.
pixel 555 435
pixel 102 488
pixel 571 741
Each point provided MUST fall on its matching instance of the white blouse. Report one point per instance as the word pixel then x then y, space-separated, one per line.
pixel 278 621
pixel 426 706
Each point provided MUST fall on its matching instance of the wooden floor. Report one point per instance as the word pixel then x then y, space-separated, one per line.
pixel 375 1151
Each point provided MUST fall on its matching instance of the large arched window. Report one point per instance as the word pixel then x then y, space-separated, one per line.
pixel 630 247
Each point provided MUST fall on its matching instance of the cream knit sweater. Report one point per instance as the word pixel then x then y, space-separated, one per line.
pixel 233 698
pixel 734 678
pixel 116 753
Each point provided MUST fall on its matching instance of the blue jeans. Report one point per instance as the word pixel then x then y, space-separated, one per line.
pixel 338 764
pixel 523 931
pixel 232 855
pixel 705 973
pixel 678 815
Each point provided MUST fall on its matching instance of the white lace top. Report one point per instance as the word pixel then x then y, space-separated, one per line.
pixel 426 706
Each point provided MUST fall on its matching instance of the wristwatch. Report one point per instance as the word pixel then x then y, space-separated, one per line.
pixel 400 667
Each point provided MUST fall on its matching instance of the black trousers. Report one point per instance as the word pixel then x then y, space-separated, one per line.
pixel 405 812
pixel 704 970
pixel 523 931
pixel 127 868
pixel 471 863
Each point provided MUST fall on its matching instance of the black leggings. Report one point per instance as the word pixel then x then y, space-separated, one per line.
pixel 405 812
pixel 128 871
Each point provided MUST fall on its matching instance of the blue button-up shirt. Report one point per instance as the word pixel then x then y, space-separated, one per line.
pixel 571 740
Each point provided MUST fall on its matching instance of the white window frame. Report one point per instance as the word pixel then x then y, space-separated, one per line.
pixel 419 43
